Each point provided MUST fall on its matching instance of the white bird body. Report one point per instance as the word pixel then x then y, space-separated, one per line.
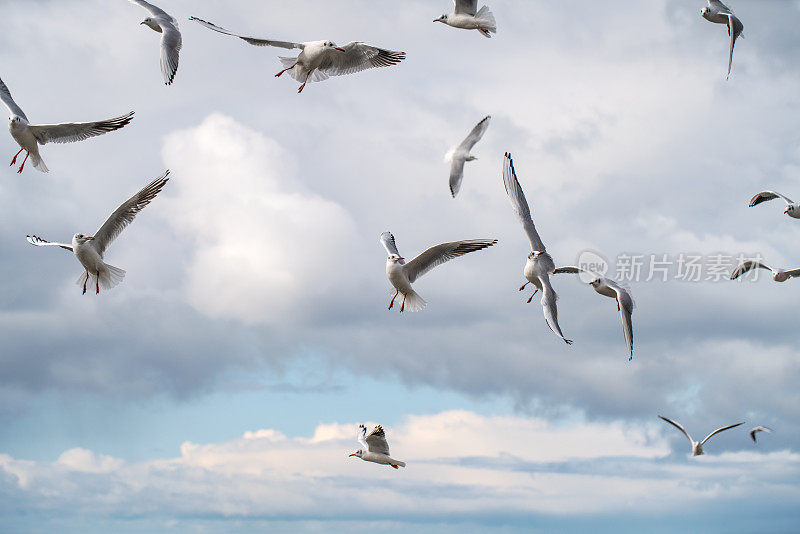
pixel 460 154
pixel 171 40
pixel 401 274
pixel 610 288
pixel 779 275
pixel 719 13
pixel 376 448
pixel 465 16
pixel 90 250
pixel 318 60
pixel 697 446
pixel 539 264
pixel 30 136
pixel 792 208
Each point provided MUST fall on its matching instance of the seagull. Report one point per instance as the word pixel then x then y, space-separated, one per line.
pixel 697 448
pixel 467 17
pixel 30 136
pixel 90 249
pixel 402 274
pixel 610 288
pixel 460 154
pixel 779 275
pixel 319 60
pixel 375 447
pixel 167 26
pixel 719 13
pixel 758 429
pixel 540 263
pixel 792 208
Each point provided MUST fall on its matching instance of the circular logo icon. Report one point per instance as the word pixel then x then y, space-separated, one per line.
pixel 591 264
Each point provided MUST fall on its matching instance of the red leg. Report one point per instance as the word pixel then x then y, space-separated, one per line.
pixel 97 284
pixel 403 307
pixel 523 286
pixel 531 297
pixel 23 162
pixel 394 466
pixel 284 70
pixel 304 83
pixel 85 282
pixel 391 304
pixel 13 161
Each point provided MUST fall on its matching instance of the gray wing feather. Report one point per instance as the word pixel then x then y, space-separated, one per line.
pixel 746 266
pixel 376 441
pixel 678 426
pixel 550 310
pixel 155 10
pixel 456 175
pixel 467 7
pixel 252 40
pixel 520 204
pixel 765 196
pixel 440 254
pixel 39 242
pixel 70 132
pixel 171 42
pixel 13 108
pixel 387 240
pixel 362 436
pixel 357 57
pixel 476 134
pixel 125 214
pixel 717 431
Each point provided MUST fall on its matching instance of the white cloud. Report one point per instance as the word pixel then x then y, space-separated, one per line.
pixel 261 237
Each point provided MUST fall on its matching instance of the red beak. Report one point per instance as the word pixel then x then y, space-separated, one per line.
pixel 340 49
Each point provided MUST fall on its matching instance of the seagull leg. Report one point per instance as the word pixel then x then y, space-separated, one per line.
pixel 394 466
pixel 304 83
pixel 531 297
pixel 13 161
pixel 97 284
pixel 23 162
pixel 85 282
pixel 391 304
pixel 284 70
pixel 523 286
pixel 403 306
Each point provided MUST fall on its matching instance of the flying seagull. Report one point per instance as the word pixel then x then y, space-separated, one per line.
pixel 375 447
pixel 402 274
pixel 792 208
pixel 719 13
pixel 466 16
pixel 757 429
pixel 460 154
pixel 610 288
pixel 319 60
pixel 697 448
pixel 540 263
pixel 90 249
pixel 171 41
pixel 30 136
pixel 779 275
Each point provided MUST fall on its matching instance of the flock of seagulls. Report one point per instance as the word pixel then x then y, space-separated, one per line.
pixel 317 61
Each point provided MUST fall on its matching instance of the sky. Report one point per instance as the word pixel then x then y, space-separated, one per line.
pixel 219 388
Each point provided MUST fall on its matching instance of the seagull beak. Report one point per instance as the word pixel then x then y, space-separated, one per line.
pixel 401 258
pixel 340 49
pixel 354 454
pixel 89 238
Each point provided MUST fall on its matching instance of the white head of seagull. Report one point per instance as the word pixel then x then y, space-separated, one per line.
pixel 697 447
pixel 375 448
pixel 318 60
pixel 466 16
pixel 539 265
pixel 90 250
pixel 30 136
pixel 402 275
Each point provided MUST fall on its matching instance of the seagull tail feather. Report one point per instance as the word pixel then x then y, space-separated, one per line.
pixel 414 302
pixel 38 163
pixel 111 276
pixel 486 19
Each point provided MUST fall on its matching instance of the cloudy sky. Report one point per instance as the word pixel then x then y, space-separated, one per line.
pixel 219 388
